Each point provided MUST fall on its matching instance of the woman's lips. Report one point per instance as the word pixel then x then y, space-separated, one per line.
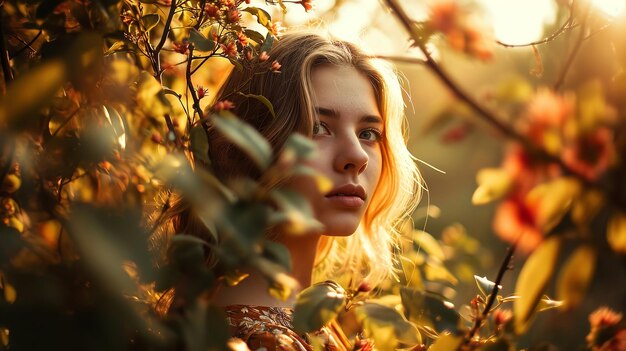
pixel 350 201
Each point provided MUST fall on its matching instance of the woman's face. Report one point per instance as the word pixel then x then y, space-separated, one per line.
pixel 348 137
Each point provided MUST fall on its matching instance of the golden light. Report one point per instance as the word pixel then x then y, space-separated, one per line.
pixel 519 21
pixel 612 8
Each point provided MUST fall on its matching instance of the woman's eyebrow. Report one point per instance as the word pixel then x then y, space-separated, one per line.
pixel 335 115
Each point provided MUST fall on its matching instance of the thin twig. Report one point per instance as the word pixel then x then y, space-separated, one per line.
pixel 26 45
pixel 481 111
pixel 450 84
pixel 567 25
pixel 492 298
pixel 4 54
pixel 166 28
pixel 403 59
pixel 64 123
pixel 574 52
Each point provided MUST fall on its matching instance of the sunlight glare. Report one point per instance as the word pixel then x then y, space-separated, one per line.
pixel 519 21
pixel 612 8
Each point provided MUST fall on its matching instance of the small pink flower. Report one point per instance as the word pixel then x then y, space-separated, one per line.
pixel 275 67
pixel 223 105
pixel 263 57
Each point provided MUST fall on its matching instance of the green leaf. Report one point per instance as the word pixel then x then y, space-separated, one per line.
pixel 378 320
pixel 267 43
pixel 254 35
pixel 199 144
pixel 29 92
pixel 263 100
pixel 187 250
pixel 532 281
pixel 200 42
pixel 277 252
pixel 575 276
pixel 296 211
pixel 262 16
pixel 150 21
pixel 244 136
pixel 426 308
pixel 317 305
pixel 304 147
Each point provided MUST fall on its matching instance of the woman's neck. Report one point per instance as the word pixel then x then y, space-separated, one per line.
pixel 254 289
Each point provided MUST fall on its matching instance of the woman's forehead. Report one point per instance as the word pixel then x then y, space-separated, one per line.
pixel 343 89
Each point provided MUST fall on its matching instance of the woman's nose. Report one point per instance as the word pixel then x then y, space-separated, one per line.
pixel 350 156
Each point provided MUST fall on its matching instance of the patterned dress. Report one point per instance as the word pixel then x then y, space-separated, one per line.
pixel 270 329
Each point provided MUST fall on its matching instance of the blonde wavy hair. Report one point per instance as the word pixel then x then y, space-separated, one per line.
pixel 291 94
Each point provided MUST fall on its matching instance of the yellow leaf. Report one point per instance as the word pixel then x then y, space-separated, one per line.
pixel 493 183
pixel 151 97
pixel 532 281
pixel 429 244
pixel 552 200
pixel 616 232
pixel 586 207
pixel 4 336
pixel 9 293
pixel 446 342
pixel 575 276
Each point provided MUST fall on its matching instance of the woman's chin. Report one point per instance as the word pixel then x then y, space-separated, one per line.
pixel 340 229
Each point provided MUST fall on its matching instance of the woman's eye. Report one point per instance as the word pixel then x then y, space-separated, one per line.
pixel 320 129
pixel 370 135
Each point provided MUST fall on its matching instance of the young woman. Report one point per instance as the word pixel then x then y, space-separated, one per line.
pixel 351 106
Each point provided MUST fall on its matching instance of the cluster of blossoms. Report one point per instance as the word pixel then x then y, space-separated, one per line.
pixel 462 30
pixel 582 142
pixel 606 333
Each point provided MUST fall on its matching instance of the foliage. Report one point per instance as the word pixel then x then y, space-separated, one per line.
pixel 105 103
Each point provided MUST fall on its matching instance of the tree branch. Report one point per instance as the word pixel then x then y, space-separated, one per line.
pixel 166 28
pixel 492 298
pixel 449 83
pixel 194 96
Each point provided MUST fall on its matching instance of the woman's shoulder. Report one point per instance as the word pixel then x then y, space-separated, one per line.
pixel 270 329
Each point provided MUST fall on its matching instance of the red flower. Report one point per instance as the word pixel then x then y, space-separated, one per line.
pixel 181 48
pixel 229 49
pixel 590 155
pixel 212 11
pixel 604 321
pixel 462 32
pixel 201 92
pixel 233 16
pixel 515 219
pixel 242 38
pixel 307 5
